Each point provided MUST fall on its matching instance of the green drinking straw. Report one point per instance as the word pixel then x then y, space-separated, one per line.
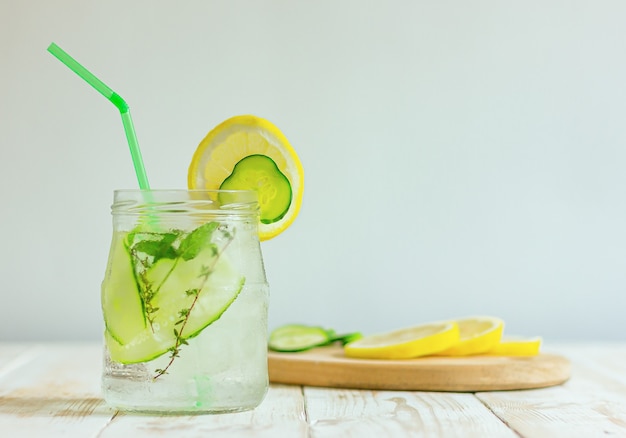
pixel 116 100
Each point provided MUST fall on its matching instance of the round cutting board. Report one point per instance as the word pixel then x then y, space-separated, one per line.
pixel 327 366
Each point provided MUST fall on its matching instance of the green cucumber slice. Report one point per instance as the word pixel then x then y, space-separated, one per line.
pixel 260 173
pixel 175 277
pixel 347 337
pixel 299 337
pixel 221 287
pixel 296 337
pixel 122 307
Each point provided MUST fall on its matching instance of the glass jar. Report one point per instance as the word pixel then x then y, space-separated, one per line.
pixel 185 302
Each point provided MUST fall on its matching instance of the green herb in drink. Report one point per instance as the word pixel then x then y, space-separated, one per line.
pixel 171 272
pixel 191 246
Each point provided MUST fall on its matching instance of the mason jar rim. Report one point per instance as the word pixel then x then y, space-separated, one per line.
pixel 167 201
pixel 180 190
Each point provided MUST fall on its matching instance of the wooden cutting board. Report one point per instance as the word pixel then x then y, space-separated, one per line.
pixel 327 366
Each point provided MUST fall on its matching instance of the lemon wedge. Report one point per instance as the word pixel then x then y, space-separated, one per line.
pixel 406 343
pixel 478 335
pixel 250 153
pixel 516 346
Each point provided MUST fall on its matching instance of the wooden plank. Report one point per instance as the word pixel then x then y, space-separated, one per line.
pixel 10 350
pixel 361 413
pixel 592 403
pixel 280 414
pixel 328 366
pixel 13 355
pixel 55 391
pixel 608 358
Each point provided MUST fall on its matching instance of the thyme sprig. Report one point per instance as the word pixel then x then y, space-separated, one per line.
pixel 150 248
pixel 185 313
pixel 147 248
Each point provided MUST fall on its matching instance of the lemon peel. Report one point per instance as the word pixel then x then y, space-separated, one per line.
pixel 421 340
pixel 478 334
pixel 516 346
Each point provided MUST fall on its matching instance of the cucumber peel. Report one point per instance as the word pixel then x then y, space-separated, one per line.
pixel 298 337
pixel 122 306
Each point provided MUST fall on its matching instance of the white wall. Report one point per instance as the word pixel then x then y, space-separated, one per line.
pixel 461 157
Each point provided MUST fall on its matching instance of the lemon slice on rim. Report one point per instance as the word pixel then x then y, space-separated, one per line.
pixel 478 335
pixel 406 343
pixel 250 153
pixel 516 346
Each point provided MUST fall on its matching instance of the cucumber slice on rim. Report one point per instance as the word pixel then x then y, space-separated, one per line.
pixel 122 307
pixel 260 173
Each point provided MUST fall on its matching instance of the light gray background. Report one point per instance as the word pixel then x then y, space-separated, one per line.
pixel 461 157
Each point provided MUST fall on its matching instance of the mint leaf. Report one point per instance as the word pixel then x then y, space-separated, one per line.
pixel 159 249
pixel 196 241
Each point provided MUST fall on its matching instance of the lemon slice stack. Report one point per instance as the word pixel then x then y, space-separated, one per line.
pixel 459 337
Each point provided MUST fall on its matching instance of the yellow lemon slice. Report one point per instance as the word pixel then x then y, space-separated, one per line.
pixel 250 153
pixel 478 335
pixel 406 343
pixel 516 346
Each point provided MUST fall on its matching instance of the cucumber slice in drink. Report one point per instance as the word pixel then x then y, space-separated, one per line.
pixel 177 293
pixel 122 307
pixel 203 288
pixel 296 337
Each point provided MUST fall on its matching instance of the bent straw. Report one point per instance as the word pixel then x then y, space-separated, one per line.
pixel 116 100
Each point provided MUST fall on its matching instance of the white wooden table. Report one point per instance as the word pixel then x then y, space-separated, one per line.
pixel 52 390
